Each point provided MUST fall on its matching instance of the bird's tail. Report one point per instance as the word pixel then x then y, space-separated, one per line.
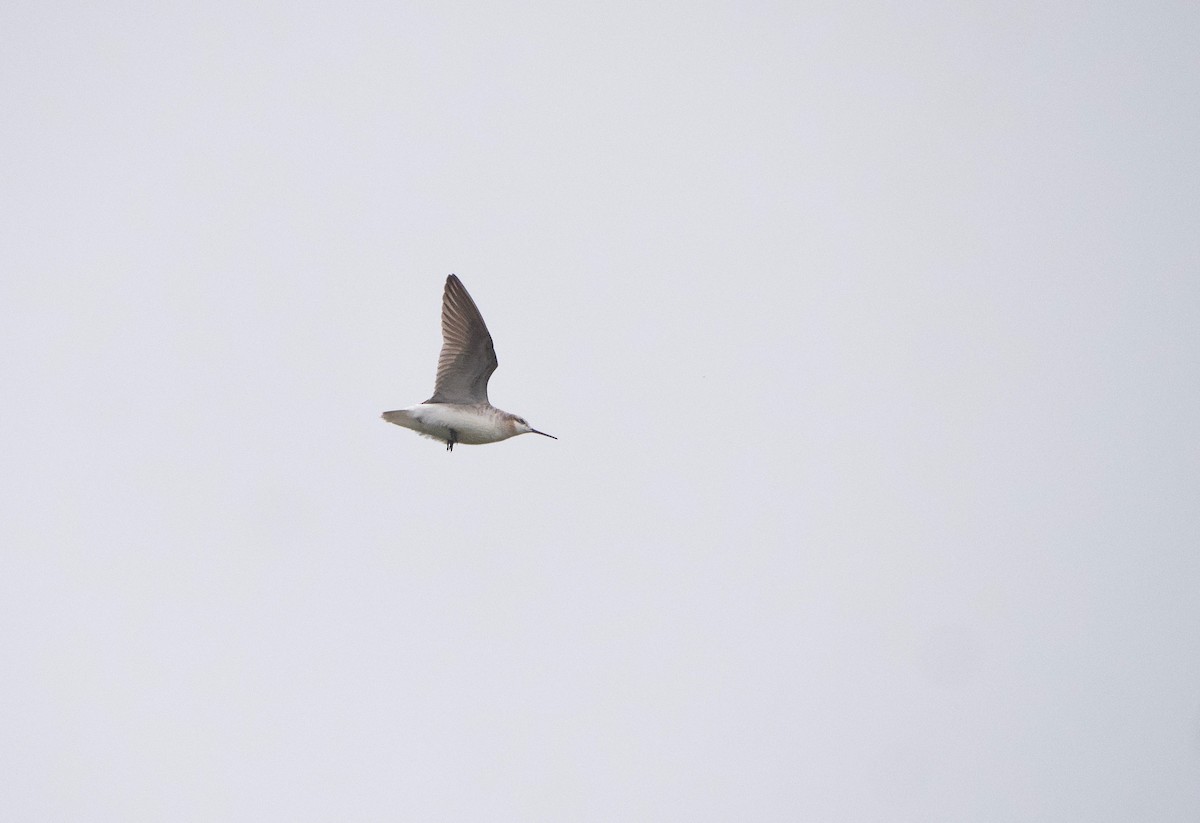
pixel 401 417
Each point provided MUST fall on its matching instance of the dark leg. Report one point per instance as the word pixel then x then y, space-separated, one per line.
pixel 451 440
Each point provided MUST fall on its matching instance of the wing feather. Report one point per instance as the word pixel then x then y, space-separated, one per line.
pixel 468 357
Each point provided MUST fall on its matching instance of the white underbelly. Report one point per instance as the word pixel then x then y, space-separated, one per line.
pixel 463 424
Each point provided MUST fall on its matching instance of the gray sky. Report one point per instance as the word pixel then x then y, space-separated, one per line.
pixel 870 332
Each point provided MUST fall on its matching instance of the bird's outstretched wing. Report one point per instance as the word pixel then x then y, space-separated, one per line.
pixel 468 357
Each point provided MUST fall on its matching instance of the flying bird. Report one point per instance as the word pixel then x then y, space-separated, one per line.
pixel 459 411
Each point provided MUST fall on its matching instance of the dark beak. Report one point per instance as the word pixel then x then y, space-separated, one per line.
pixel 543 434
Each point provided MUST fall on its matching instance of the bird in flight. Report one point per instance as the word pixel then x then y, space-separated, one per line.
pixel 459 411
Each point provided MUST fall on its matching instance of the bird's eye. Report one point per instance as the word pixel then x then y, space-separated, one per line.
pixel 521 420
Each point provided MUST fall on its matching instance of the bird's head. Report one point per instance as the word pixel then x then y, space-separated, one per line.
pixel 521 426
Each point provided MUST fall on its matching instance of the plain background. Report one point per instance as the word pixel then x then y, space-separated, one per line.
pixel 871 332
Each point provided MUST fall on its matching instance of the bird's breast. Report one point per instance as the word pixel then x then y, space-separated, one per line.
pixel 472 425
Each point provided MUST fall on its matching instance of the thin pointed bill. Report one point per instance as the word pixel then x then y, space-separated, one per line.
pixel 543 434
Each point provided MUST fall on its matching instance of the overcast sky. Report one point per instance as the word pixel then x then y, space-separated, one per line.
pixel 871 332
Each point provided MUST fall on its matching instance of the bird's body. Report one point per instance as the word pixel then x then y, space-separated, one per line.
pixel 456 422
pixel 459 411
